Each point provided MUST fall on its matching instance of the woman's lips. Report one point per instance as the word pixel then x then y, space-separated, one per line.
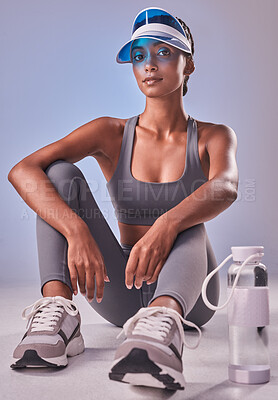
pixel 152 81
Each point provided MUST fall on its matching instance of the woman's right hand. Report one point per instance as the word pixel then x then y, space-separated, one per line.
pixel 86 264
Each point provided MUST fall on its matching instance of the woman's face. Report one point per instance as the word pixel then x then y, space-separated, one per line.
pixel 161 60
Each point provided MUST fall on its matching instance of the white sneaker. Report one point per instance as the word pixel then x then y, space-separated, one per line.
pixel 53 334
pixel 151 355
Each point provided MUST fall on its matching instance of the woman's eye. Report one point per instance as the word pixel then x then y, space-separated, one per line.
pixel 137 55
pixel 167 51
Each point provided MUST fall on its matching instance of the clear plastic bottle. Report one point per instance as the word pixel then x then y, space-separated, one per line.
pixel 248 317
pixel 248 314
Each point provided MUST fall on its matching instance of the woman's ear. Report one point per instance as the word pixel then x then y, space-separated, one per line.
pixel 190 67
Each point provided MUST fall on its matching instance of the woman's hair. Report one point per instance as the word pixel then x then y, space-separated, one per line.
pixel 190 38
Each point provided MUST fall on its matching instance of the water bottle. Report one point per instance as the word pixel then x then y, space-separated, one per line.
pixel 248 315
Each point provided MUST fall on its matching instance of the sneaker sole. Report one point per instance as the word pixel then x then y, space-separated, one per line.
pixel 138 369
pixel 32 359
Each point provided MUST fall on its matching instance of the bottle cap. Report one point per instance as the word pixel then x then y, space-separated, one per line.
pixel 240 253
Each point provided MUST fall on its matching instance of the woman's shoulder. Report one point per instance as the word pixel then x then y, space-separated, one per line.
pixel 207 130
pixel 113 124
pixel 112 129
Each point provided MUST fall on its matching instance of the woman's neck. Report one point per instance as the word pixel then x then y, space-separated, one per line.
pixel 163 116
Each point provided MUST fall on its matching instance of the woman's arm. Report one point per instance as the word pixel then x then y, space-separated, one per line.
pixel 85 261
pixel 219 192
pixel 32 184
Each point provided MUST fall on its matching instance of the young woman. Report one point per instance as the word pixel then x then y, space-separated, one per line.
pixel 167 174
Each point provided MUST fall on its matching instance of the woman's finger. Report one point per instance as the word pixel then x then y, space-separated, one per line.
pixel 73 277
pixel 81 278
pixel 141 269
pixel 106 277
pixel 99 284
pixel 131 268
pixel 90 283
pixel 156 272
pixel 151 267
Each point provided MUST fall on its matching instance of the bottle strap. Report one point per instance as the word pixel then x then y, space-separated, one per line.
pixel 210 275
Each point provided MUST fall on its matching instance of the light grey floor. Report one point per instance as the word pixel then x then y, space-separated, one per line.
pixel 86 376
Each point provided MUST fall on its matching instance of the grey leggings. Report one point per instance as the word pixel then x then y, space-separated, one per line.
pixel 190 259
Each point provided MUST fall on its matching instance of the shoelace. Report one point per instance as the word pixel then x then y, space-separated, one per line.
pixel 48 310
pixel 156 322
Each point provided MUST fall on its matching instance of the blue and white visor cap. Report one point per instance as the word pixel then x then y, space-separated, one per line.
pixel 155 23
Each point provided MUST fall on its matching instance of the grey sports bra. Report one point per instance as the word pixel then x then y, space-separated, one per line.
pixel 141 203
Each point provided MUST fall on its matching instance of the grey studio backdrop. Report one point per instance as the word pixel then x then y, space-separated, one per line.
pixel 58 71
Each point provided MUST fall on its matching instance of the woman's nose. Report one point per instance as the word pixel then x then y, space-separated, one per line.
pixel 150 64
pixel 150 61
pixel 150 68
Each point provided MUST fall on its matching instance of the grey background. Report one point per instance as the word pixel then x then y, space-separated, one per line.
pixel 58 71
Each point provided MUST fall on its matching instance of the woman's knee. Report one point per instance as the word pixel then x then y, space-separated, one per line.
pixel 61 169
pixel 196 234
pixel 62 175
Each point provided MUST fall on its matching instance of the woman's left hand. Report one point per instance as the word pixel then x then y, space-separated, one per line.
pixel 149 254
